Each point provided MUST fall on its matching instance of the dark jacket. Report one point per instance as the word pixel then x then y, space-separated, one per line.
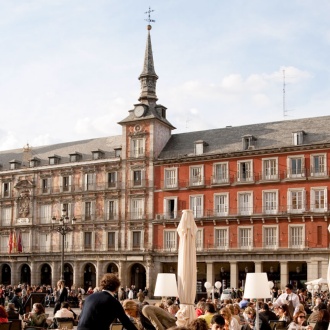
pixel 269 315
pixel 18 304
pixel 100 309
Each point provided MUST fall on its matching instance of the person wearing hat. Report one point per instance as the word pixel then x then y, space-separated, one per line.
pixel 17 300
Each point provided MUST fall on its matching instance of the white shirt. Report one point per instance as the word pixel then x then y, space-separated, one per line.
pixel 63 312
pixel 285 297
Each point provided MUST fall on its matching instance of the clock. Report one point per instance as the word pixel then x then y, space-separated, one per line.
pixel 139 111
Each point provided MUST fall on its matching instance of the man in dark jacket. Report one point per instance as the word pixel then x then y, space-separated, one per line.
pixel 267 314
pixel 17 301
pixel 101 308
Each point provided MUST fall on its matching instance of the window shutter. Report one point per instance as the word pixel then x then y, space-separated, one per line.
pixel 325 200
pixel 93 215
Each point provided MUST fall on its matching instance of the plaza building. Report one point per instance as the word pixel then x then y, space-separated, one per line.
pixel 258 193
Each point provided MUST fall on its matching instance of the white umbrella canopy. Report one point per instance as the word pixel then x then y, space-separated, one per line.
pixel 187 277
pixel 318 281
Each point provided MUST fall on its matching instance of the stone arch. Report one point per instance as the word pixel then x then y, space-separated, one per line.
pixel 45 274
pixel 6 274
pixel 137 276
pixel 25 273
pixel 89 275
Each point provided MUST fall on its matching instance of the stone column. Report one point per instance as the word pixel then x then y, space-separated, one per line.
pixel 99 272
pixel 233 274
pixel 77 281
pixel 210 272
pixel 35 275
pixel 312 270
pixel 15 275
pixel 258 267
pixel 284 274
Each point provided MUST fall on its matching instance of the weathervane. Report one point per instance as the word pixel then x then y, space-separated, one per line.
pixel 149 20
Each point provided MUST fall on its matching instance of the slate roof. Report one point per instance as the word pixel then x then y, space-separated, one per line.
pixel 268 135
pixel 84 147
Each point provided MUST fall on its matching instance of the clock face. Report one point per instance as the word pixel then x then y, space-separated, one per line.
pixel 139 111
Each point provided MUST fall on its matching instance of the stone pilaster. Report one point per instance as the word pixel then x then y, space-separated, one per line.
pixel 233 274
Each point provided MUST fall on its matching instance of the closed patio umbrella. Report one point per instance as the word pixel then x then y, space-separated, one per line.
pixel 187 278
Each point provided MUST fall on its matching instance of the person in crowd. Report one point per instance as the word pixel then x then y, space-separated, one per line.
pixel 289 298
pixel 208 313
pixel 17 300
pixel 323 320
pixel 61 295
pixel 232 322
pixel 299 319
pixel 81 304
pixel 140 296
pixel 268 314
pixel 37 317
pixel 173 309
pixel 64 311
pixel 251 320
pixel 198 324
pixel 12 313
pixel 283 314
pixel 217 322
pixel 2 295
pixel 315 314
pixel 159 318
pixel 200 308
pixel 100 309
pixel 232 311
pixel 3 315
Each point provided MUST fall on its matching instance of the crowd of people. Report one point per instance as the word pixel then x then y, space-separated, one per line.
pixel 287 310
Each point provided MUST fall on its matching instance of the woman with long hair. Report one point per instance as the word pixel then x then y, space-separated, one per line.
pixel 283 314
pixel 323 320
pixel 229 319
pixel 37 317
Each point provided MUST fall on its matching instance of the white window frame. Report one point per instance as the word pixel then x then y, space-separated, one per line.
pixel 294 193
pixel 130 240
pixel 196 204
pixel 69 186
pixel 221 204
pixel 245 243
pixel 294 241
pixel 141 179
pixel 170 240
pixel 46 213
pixel 114 207
pixel 6 193
pixel 295 173
pixel 200 239
pixel 270 206
pixel 314 205
pixel 221 242
pixel 270 242
pixel 45 185
pixel 137 208
pixel 245 207
pixel 106 240
pixel 321 169
pixel 168 214
pixel 89 181
pixel 269 169
pixel 196 175
pixel 245 172
pixel 92 240
pixel 298 138
pixel 170 177
pixel 137 147
pixel 47 239
pixel 92 211
pixel 220 173
pixel 112 183
pixel 6 215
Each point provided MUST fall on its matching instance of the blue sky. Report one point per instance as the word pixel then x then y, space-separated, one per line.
pixel 69 68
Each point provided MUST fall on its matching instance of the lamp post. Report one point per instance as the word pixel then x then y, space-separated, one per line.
pixel 63 228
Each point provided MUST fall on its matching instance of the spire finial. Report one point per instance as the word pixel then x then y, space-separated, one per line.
pixel 149 20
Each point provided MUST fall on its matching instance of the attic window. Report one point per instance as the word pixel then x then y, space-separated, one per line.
pixel 75 157
pixel 15 164
pixel 98 154
pixel 298 138
pixel 199 147
pixel 54 160
pixel 117 152
pixel 34 162
pixel 249 142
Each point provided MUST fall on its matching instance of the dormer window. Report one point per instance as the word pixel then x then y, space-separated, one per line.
pixel 298 138
pixel 75 157
pixel 161 110
pixel 249 142
pixel 54 160
pixel 117 152
pixel 34 162
pixel 98 154
pixel 15 164
pixel 199 147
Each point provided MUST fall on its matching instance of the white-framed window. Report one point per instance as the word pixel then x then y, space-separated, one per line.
pixel 196 175
pixel 135 240
pixel 89 210
pixel 138 177
pixel 66 183
pixel 245 171
pixel 44 242
pixel 270 169
pixel 25 239
pixel 296 167
pixel 298 138
pixel 270 201
pixel 171 178
pixel 221 238
pixel 90 181
pixel 270 237
pixel 296 200
pixel 6 216
pixel 199 239
pixel 245 202
pixel 137 208
pixel 111 210
pixel 112 179
pixel 319 165
pixel 137 147
pixel 4 243
pixel 296 236
pixel 170 207
pixel 221 204
pixel 319 199
pixel 245 236
pixel 170 240
pixel 68 241
pixel 68 208
pixel 88 239
pixel 196 205
pixel 45 213
pixel 112 240
pixel 45 185
pixel 220 173
pixel 6 189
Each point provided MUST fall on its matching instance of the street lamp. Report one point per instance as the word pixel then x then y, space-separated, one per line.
pixel 63 228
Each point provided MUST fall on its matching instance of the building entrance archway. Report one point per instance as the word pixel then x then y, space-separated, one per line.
pixel 68 275
pixel 25 274
pixel 46 275
pixel 138 276
pixel 89 276
pixel 6 274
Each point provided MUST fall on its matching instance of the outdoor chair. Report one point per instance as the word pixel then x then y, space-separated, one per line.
pixel 116 326
pixel 16 325
pixel 64 322
pixel 5 326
